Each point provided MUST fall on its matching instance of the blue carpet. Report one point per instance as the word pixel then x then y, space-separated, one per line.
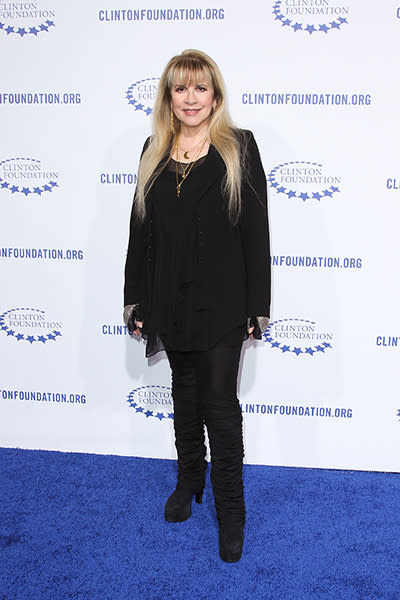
pixel 90 527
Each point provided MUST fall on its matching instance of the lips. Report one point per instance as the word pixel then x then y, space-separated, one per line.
pixel 191 112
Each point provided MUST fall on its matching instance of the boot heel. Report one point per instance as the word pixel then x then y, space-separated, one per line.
pixel 199 497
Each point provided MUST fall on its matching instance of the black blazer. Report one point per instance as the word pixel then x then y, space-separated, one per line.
pixel 233 279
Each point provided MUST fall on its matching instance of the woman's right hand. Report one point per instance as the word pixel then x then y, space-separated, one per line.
pixel 133 325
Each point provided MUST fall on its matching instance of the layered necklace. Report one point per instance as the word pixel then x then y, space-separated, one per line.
pixel 188 167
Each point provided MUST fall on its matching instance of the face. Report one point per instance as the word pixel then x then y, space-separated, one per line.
pixel 192 103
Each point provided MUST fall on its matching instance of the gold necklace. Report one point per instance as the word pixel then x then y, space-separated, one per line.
pixel 186 152
pixel 186 170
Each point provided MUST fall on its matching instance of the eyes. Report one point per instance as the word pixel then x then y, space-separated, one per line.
pixel 200 87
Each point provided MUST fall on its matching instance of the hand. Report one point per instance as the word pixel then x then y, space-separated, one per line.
pixel 250 332
pixel 138 330
pixel 131 319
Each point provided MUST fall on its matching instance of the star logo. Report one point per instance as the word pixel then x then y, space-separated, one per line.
pixel 280 333
pixel 309 28
pixel 147 400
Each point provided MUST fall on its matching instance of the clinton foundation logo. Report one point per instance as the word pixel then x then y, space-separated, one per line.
pixel 142 93
pixel 152 401
pixel 26 18
pixel 311 16
pixel 30 325
pixel 27 176
pixel 298 336
pixel 304 180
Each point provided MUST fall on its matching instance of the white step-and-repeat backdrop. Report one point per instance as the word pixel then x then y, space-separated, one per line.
pixel 316 81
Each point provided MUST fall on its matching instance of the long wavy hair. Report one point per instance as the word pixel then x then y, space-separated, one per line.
pixel 191 67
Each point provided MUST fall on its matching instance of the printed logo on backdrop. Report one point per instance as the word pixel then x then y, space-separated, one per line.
pixel 152 401
pixel 393 183
pixel 26 18
pixel 27 176
pixel 311 16
pixel 142 93
pixel 388 341
pixel 304 180
pixel 30 325
pixel 298 336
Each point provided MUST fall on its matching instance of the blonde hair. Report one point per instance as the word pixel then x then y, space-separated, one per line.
pixel 189 67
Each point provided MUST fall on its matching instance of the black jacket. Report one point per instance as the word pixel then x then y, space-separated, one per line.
pixel 233 280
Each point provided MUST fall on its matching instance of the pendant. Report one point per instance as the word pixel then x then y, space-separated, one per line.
pixel 186 155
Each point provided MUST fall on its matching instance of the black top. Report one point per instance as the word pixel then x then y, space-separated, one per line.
pixel 171 324
pixel 197 277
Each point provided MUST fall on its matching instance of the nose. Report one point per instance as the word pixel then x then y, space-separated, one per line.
pixel 190 98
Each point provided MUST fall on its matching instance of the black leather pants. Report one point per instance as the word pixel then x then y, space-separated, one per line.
pixel 204 394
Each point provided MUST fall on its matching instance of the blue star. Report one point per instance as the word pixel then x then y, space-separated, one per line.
pixel 317 195
pixel 309 351
pixel 297 26
pixel 139 409
pixel 334 189
pixel 139 106
pixel 132 403
pixel 30 339
pixel 149 413
pixel 4 327
pixel 268 339
pixel 328 193
pixel 320 349
pixel 19 336
pixel 21 31
pixel 324 28
pixel 304 196
pixel 41 339
pixel 285 348
pixel 310 29
pixel 297 351
pixel 275 345
pixel 286 22
pixel 26 191
pixel 281 190
pixel 1 25
pixel 342 20
pixel 44 27
pixel 334 25
pixel 4 184
pixel 132 101
pixel 170 415
pixel 33 30
pixel 50 336
pixel 10 332
pixel 50 23
pixel 148 111
pixel 160 416
pixel 10 30
pixel 14 189
pixel 37 190
pixel 327 345
pixel 56 333
pixel 53 183
pixel 278 17
pixel 47 188
pixel 291 193
pixel 275 184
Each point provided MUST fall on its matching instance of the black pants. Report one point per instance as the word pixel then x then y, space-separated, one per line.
pixel 204 394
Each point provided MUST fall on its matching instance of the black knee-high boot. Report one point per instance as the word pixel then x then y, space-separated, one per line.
pixel 223 417
pixel 189 438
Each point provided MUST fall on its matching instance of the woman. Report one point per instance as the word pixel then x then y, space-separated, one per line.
pixel 197 277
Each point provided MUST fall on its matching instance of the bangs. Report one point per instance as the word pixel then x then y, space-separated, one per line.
pixel 189 71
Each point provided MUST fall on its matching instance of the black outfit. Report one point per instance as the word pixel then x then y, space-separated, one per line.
pixel 197 279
